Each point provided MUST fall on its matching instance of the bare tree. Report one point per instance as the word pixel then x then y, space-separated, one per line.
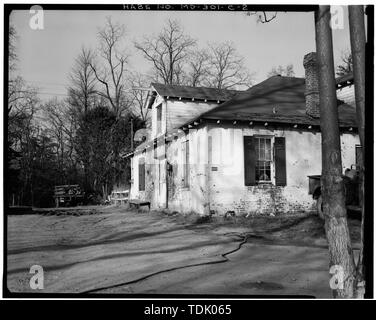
pixel 227 67
pixel 111 68
pixel 346 65
pixel 167 51
pixel 54 113
pixel 21 98
pixel 198 68
pixel 263 16
pixel 82 97
pixel 358 50
pixel 179 74
pixel 12 48
pixel 176 60
pixel 82 90
pixel 287 71
pixel 336 227
pixel 138 93
pixel 61 125
pixel 22 106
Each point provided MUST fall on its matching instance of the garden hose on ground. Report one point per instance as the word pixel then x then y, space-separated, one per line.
pixel 244 239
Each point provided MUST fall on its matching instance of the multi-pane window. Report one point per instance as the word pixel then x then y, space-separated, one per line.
pixel 263 149
pixel 263 157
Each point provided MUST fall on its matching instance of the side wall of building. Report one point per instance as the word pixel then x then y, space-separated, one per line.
pixel 303 157
pixel 188 195
pixel 166 171
pixel 216 172
pixel 175 113
pixel 180 112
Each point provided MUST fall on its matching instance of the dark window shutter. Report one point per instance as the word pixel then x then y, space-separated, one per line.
pixel 280 161
pixel 358 157
pixel 249 161
pixel 141 176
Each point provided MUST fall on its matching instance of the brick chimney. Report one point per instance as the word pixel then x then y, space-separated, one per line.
pixel 311 85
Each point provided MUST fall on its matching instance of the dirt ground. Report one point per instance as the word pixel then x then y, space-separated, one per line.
pixel 114 250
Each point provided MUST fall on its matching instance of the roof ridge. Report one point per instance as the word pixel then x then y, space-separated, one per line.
pixel 200 87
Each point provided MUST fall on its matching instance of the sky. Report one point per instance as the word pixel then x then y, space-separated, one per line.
pixel 46 56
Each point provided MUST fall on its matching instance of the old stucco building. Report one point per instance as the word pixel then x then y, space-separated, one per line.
pixel 213 151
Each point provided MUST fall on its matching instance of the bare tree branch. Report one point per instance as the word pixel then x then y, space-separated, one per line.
pixel 227 67
pixel 112 74
pixel 262 16
pixel 83 88
pixel 346 65
pixel 287 71
pixel 167 51
pixel 138 95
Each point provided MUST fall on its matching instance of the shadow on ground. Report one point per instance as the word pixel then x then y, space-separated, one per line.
pixel 109 249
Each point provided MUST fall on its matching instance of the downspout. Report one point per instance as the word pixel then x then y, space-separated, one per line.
pixel 165 151
pixel 208 170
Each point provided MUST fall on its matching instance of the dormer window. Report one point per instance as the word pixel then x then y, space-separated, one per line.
pixel 159 118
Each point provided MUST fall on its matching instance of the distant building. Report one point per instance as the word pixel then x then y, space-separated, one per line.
pixel 211 151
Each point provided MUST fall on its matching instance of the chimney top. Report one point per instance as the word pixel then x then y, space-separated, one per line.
pixel 310 59
pixel 311 85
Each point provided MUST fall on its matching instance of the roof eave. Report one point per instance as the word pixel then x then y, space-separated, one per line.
pixel 300 123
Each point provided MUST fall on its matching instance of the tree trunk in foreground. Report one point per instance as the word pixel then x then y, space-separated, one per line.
pixel 358 48
pixel 337 231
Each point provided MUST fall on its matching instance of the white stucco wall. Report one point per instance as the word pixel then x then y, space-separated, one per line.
pixel 217 172
pixel 181 198
pixel 303 158
pixel 193 198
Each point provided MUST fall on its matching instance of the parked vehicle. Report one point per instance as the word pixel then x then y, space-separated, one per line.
pixel 351 183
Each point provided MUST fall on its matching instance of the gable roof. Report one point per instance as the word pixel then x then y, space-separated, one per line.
pixel 197 93
pixel 277 99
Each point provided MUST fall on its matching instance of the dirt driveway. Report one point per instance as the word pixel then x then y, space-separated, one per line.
pixel 109 249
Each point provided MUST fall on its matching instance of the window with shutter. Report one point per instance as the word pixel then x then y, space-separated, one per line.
pixel 280 161
pixel 141 175
pixel 249 161
pixel 259 163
